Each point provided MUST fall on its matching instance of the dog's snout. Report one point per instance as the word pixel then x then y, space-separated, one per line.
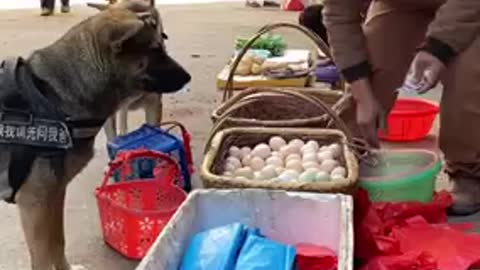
pixel 166 75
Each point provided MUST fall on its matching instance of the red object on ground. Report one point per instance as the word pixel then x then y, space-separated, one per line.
pixel 412 235
pixel 313 257
pixel 410 120
pixel 134 212
pixel 293 5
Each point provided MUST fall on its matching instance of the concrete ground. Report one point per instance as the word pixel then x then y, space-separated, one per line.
pixel 201 38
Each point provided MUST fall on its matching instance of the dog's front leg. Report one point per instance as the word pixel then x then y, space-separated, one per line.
pixel 35 215
pixel 123 120
pixel 110 128
pixel 41 202
pixel 57 231
pixel 154 110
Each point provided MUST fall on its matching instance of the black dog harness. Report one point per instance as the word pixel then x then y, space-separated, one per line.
pixel 30 123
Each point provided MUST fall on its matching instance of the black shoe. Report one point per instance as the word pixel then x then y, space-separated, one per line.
pixel 46 12
pixel 65 9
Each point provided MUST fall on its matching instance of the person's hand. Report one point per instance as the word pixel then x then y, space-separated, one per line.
pixel 425 71
pixel 368 111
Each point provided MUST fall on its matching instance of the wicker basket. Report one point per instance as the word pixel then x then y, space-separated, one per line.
pixel 213 164
pixel 221 139
pixel 279 110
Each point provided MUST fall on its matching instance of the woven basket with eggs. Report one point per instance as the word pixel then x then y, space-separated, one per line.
pixel 276 109
pixel 294 159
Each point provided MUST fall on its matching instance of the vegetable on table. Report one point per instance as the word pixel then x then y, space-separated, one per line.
pixel 273 43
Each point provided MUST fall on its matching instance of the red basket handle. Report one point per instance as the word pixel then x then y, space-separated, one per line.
pixel 186 137
pixel 124 158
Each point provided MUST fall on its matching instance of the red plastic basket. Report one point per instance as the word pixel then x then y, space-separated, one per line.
pixel 134 212
pixel 410 120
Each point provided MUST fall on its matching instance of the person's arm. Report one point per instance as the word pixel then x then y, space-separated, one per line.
pixel 344 21
pixel 454 28
pixel 344 25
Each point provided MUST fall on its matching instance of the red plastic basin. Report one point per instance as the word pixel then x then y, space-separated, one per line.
pixel 410 120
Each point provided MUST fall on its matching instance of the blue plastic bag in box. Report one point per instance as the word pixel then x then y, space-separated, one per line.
pixel 215 249
pixel 259 253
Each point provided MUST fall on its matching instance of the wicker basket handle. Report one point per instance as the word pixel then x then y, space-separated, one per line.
pixel 322 46
pixel 313 100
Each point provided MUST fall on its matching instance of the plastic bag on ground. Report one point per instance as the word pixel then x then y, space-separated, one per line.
pixel 411 235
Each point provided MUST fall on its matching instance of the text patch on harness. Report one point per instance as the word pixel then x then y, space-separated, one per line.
pixel 32 131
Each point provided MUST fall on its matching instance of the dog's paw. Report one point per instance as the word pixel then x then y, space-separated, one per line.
pixel 77 267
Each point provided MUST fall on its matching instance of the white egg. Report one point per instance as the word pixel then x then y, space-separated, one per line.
pixel 311 164
pixel 310 157
pixel 235 152
pixel 323 148
pixel 337 177
pixel 247 160
pixel 262 150
pixel 235 162
pixel 288 149
pixel 288 175
pixel 268 172
pixel 229 167
pixel 277 154
pixel 339 170
pixel 274 160
pixel 307 149
pixel 279 170
pixel 313 169
pixel 313 144
pixel 297 143
pixel 257 163
pixel 324 155
pixel 276 143
pixel 336 150
pixel 258 176
pixel 245 151
pixel 241 178
pixel 322 177
pixel 246 172
pixel 294 165
pixel 293 157
pixel 328 165
pixel 307 176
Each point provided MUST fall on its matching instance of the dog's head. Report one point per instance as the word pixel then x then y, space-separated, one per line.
pixel 131 36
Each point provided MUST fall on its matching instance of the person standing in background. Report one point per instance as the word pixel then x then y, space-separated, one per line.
pixel 48 7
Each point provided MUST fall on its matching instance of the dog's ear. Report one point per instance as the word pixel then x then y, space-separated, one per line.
pixel 98 6
pixel 125 32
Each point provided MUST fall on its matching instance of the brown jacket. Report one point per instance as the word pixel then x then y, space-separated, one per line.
pixel 456 24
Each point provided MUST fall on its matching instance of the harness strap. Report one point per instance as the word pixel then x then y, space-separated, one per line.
pixel 37 117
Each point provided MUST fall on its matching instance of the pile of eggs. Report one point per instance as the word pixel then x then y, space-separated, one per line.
pixel 281 161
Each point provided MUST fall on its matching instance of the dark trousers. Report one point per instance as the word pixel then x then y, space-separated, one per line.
pixel 50 4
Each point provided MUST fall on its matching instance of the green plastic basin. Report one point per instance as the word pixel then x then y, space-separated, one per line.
pixel 401 175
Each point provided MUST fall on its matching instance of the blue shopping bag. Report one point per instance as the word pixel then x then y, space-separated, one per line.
pixel 259 253
pixel 215 249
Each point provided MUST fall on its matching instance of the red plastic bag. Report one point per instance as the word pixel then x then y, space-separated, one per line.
pixel 313 257
pixel 412 235
pixel 407 261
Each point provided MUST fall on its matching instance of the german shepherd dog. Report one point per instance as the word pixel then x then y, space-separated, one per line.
pixel 89 73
